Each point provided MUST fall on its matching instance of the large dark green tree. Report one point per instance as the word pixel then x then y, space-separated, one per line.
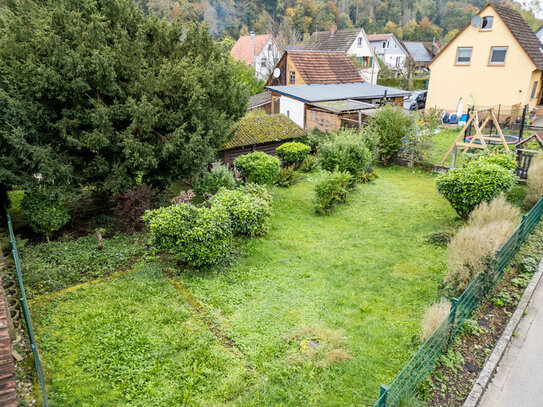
pixel 94 93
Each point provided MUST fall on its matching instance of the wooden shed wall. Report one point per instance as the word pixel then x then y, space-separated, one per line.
pixel 269 148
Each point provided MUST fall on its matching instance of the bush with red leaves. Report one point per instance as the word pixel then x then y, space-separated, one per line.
pixel 129 207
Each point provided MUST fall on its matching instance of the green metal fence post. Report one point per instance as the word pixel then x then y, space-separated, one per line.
pixel 520 237
pixel 24 306
pixel 383 396
pixel 452 318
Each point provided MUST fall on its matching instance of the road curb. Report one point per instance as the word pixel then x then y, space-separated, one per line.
pixel 485 377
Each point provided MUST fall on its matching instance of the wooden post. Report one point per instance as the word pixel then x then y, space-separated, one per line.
pixel 453 162
pixel 359 120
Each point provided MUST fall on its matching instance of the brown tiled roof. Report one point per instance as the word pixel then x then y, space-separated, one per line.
pixel 379 37
pixel 325 41
pixel 8 390
pixel 246 48
pixel 522 32
pixel 325 67
pixel 249 131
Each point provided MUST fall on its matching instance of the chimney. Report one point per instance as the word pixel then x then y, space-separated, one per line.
pixel 333 29
pixel 252 35
pixel 433 48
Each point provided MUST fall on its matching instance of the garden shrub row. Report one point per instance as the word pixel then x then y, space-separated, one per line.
pixel 203 236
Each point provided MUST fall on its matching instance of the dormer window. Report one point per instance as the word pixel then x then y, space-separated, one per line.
pixel 292 77
pixel 487 23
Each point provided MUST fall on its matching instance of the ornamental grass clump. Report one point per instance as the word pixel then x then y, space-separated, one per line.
pixel 488 228
pixel 200 237
pixel 293 153
pixel 476 182
pixel 249 213
pixel 534 184
pixel 433 317
pixel 258 167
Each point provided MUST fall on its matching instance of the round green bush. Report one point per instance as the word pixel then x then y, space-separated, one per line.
pixel 346 152
pixel 200 237
pixel 293 153
pixel 258 167
pixel 504 159
pixel 214 180
pixel 476 182
pixel 249 213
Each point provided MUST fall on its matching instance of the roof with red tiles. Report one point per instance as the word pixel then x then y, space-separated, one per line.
pixel 246 48
pixel 325 67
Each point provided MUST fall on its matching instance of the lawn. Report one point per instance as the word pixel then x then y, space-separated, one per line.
pixel 318 312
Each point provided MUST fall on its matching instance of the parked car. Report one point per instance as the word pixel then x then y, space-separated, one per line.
pixel 417 100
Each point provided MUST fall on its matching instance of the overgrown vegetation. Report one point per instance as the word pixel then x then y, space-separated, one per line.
pixel 49 267
pixel 433 317
pixel 392 126
pixel 348 151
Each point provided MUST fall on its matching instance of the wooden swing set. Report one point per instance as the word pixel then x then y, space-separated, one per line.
pixel 482 140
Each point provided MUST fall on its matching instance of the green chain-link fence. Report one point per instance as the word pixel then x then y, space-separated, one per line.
pixel 26 312
pixel 406 383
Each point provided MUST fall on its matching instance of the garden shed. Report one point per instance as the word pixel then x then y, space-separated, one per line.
pixel 260 133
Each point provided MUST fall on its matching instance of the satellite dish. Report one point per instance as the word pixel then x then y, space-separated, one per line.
pixel 276 72
pixel 476 21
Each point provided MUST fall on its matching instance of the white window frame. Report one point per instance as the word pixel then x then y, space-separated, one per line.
pixel 463 62
pixel 292 77
pixel 492 49
pixel 534 89
pixel 487 18
pixel 359 41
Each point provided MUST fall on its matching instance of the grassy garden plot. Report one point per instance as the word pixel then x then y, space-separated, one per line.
pixel 322 309
pixel 356 282
pixel 132 341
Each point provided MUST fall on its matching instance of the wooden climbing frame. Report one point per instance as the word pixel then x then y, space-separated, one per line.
pixel 474 118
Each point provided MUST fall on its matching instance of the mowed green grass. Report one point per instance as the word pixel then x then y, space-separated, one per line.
pixel 322 309
pixel 365 272
pixel 132 341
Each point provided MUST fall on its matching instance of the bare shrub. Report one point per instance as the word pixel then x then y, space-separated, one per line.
pixel 534 185
pixel 489 226
pixel 433 317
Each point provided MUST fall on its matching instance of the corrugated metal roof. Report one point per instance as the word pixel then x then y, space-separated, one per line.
pixel 341 106
pixel 417 50
pixel 337 91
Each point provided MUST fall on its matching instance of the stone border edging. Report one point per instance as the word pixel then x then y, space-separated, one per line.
pixel 497 353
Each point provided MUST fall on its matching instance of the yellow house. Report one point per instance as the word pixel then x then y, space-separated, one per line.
pixel 495 59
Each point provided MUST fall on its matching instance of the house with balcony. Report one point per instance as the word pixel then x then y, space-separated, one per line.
pixel 390 50
pixel 496 59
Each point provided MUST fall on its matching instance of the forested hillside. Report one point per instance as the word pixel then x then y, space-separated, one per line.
pixel 292 20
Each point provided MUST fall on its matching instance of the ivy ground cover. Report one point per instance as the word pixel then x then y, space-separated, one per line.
pixel 318 312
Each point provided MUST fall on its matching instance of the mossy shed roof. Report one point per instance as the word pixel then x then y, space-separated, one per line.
pixel 249 131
